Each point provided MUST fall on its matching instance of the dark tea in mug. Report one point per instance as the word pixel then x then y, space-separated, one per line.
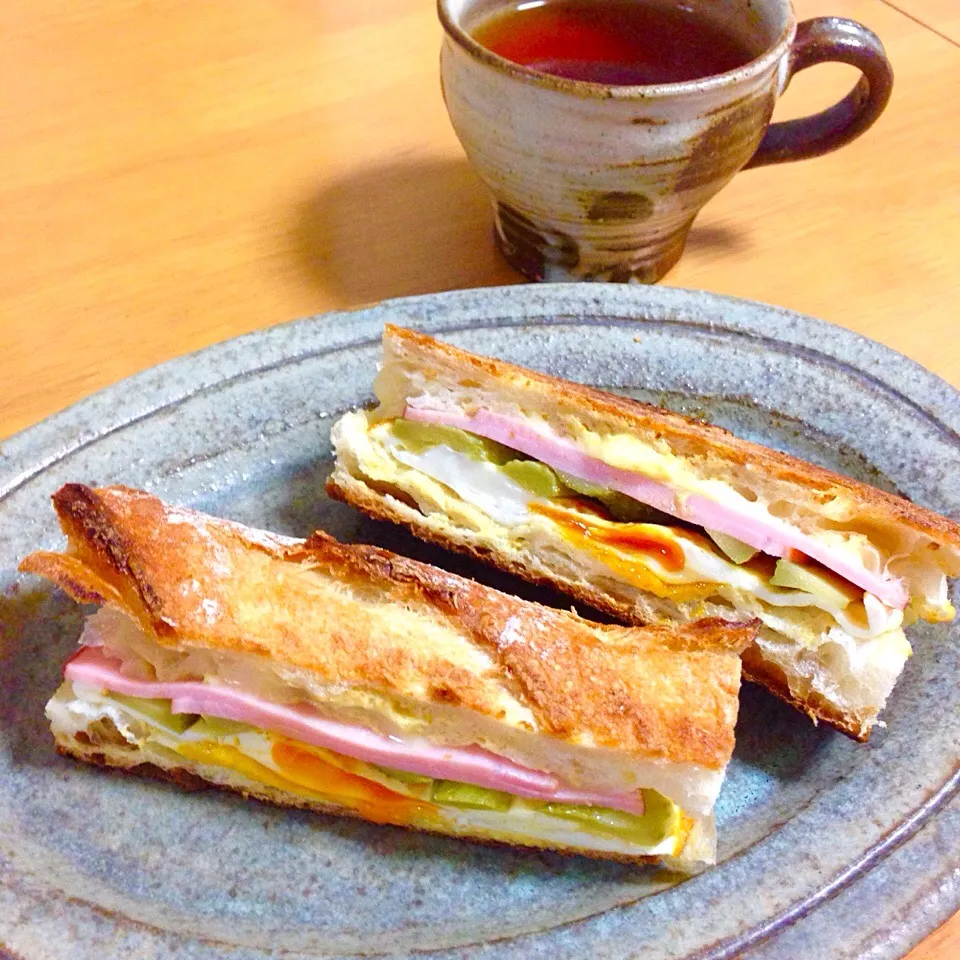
pixel 614 42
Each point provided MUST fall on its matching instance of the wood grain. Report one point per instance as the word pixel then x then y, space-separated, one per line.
pixel 179 172
pixel 943 16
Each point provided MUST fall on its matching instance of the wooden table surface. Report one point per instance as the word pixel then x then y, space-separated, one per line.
pixel 182 171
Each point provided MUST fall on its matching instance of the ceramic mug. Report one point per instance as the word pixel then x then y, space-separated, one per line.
pixel 596 182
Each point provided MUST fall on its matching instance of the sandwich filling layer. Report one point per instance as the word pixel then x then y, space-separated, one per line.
pixel 236 754
pixel 664 484
pixel 214 725
pixel 226 734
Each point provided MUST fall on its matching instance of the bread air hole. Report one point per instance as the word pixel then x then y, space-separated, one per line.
pixel 101 732
pixel 390 490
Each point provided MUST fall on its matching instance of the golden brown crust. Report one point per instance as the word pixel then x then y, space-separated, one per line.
pixel 189 780
pixel 687 435
pixel 755 668
pixel 367 618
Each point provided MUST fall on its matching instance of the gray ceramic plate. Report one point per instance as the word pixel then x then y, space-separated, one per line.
pixel 828 849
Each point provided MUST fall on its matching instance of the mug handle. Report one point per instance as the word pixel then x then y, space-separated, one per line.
pixel 817 41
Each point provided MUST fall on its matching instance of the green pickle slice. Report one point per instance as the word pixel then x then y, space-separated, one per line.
pixel 821 584
pixel 621 507
pixel 157 712
pixel 536 478
pixel 404 776
pixel 467 795
pixel 215 727
pixel 657 823
pixel 584 487
pixel 736 550
pixel 417 437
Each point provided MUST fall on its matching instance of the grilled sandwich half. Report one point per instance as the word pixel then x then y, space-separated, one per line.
pixel 653 518
pixel 351 680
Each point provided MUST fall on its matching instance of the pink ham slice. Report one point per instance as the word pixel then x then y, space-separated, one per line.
pixel 91 666
pixel 776 539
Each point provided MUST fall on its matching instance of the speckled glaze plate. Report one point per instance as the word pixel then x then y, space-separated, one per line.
pixel 828 849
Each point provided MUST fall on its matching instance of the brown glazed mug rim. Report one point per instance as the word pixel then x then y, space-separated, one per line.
pixel 600 91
